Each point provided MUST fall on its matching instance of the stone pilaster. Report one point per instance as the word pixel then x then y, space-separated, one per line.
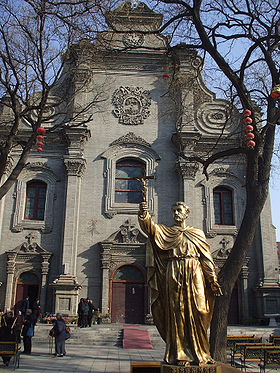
pixel 44 271
pixel 11 265
pixel 75 169
pixel 187 171
pixel 66 287
pixel 244 292
pixel 105 268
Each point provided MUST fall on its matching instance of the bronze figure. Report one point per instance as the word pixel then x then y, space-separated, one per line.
pixel 183 284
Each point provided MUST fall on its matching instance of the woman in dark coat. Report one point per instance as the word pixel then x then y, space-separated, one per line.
pixel 80 312
pixel 8 332
pixel 60 335
pixel 27 333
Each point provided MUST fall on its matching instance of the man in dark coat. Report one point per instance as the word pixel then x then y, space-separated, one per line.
pixel 28 331
pixel 60 335
pixel 8 332
pixel 24 306
pixel 36 310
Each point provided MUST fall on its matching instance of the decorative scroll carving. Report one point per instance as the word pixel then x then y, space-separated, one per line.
pixel 131 105
pixel 75 166
pixel 213 117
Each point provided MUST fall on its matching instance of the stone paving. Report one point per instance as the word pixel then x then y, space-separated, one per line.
pixel 82 358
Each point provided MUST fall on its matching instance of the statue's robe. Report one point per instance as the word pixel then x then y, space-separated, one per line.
pixel 181 297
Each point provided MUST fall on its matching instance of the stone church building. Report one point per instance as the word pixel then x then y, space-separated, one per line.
pixel 69 225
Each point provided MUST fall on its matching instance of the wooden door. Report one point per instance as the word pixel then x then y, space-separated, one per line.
pixel 128 295
pixel 134 308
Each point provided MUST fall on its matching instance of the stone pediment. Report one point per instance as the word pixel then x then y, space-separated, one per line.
pixel 132 27
pixel 130 16
pixel 128 233
pixel 130 138
pixel 30 246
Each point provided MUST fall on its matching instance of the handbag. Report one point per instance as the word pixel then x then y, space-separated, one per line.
pixel 30 332
pixel 51 332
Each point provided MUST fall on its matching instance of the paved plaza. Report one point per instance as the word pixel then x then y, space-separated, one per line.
pixel 90 357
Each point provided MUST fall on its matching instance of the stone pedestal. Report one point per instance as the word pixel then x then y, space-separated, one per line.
pixel 213 368
pixel 66 291
pixel 209 368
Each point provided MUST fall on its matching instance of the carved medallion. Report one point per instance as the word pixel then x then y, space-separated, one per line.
pixel 131 105
pixel 133 39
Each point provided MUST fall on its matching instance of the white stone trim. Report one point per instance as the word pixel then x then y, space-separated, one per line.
pixel 37 172
pixel 112 155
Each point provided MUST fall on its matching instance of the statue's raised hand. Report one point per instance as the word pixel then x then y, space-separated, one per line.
pixel 143 208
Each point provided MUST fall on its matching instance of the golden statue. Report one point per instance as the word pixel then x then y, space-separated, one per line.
pixel 183 284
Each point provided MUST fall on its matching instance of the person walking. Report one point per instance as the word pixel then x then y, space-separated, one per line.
pixel 60 335
pixel 8 332
pixel 28 331
pixel 90 311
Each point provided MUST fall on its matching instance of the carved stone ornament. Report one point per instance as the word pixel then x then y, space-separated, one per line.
pixel 217 116
pixel 75 167
pixel 187 170
pixel 130 138
pixel 133 39
pixel 131 105
pixel 224 251
pixel 128 233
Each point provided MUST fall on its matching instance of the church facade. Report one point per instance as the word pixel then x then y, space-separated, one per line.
pixel 69 226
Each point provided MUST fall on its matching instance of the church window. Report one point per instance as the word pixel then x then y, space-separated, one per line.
pixel 127 189
pixel 35 200
pixel 223 207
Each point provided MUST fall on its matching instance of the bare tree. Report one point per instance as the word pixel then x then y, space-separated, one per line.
pixel 241 37
pixel 37 85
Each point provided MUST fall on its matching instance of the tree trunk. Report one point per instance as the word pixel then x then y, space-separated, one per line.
pixel 230 272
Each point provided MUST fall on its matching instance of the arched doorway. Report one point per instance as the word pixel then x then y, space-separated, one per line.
pixel 27 284
pixel 128 295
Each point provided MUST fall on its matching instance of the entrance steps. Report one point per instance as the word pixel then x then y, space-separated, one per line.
pixel 97 335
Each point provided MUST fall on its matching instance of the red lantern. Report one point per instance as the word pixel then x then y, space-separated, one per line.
pixel 251 144
pixel 275 92
pixel 248 120
pixel 246 112
pixel 40 143
pixel 249 128
pixel 39 149
pixel 40 138
pixel 165 76
pixel 41 131
pixel 250 136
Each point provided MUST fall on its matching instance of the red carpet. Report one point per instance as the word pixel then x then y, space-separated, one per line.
pixel 136 339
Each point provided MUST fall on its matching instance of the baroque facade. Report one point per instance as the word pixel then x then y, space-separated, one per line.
pixel 69 226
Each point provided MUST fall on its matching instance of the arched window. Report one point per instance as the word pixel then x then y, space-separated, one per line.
pixel 35 200
pixel 223 206
pixel 127 189
pixel 129 273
